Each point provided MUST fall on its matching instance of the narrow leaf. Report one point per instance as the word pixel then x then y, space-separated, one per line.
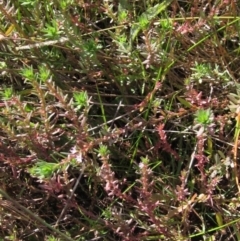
pixel 151 13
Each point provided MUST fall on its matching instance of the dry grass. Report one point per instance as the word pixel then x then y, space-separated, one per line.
pixel 119 120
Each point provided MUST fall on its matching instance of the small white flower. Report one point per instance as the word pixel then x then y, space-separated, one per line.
pixel 79 157
pixel 73 150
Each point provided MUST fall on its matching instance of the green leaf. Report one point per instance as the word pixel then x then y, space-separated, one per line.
pixel 80 99
pixel 103 151
pixel 184 102
pixel 6 93
pixel 44 73
pixel 43 169
pixel 204 117
pixel 149 15
pixel 28 73
pixel 219 219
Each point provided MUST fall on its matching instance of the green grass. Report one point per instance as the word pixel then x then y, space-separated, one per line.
pixel 119 120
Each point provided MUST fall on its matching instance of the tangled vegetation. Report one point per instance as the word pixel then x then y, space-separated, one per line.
pixel 119 120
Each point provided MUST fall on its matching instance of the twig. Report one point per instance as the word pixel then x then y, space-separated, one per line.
pixel 190 164
pixel 40 220
pixel 69 199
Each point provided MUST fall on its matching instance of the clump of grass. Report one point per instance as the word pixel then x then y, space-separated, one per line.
pixel 119 120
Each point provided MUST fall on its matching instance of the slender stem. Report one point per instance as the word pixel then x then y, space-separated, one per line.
pixel 40 220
